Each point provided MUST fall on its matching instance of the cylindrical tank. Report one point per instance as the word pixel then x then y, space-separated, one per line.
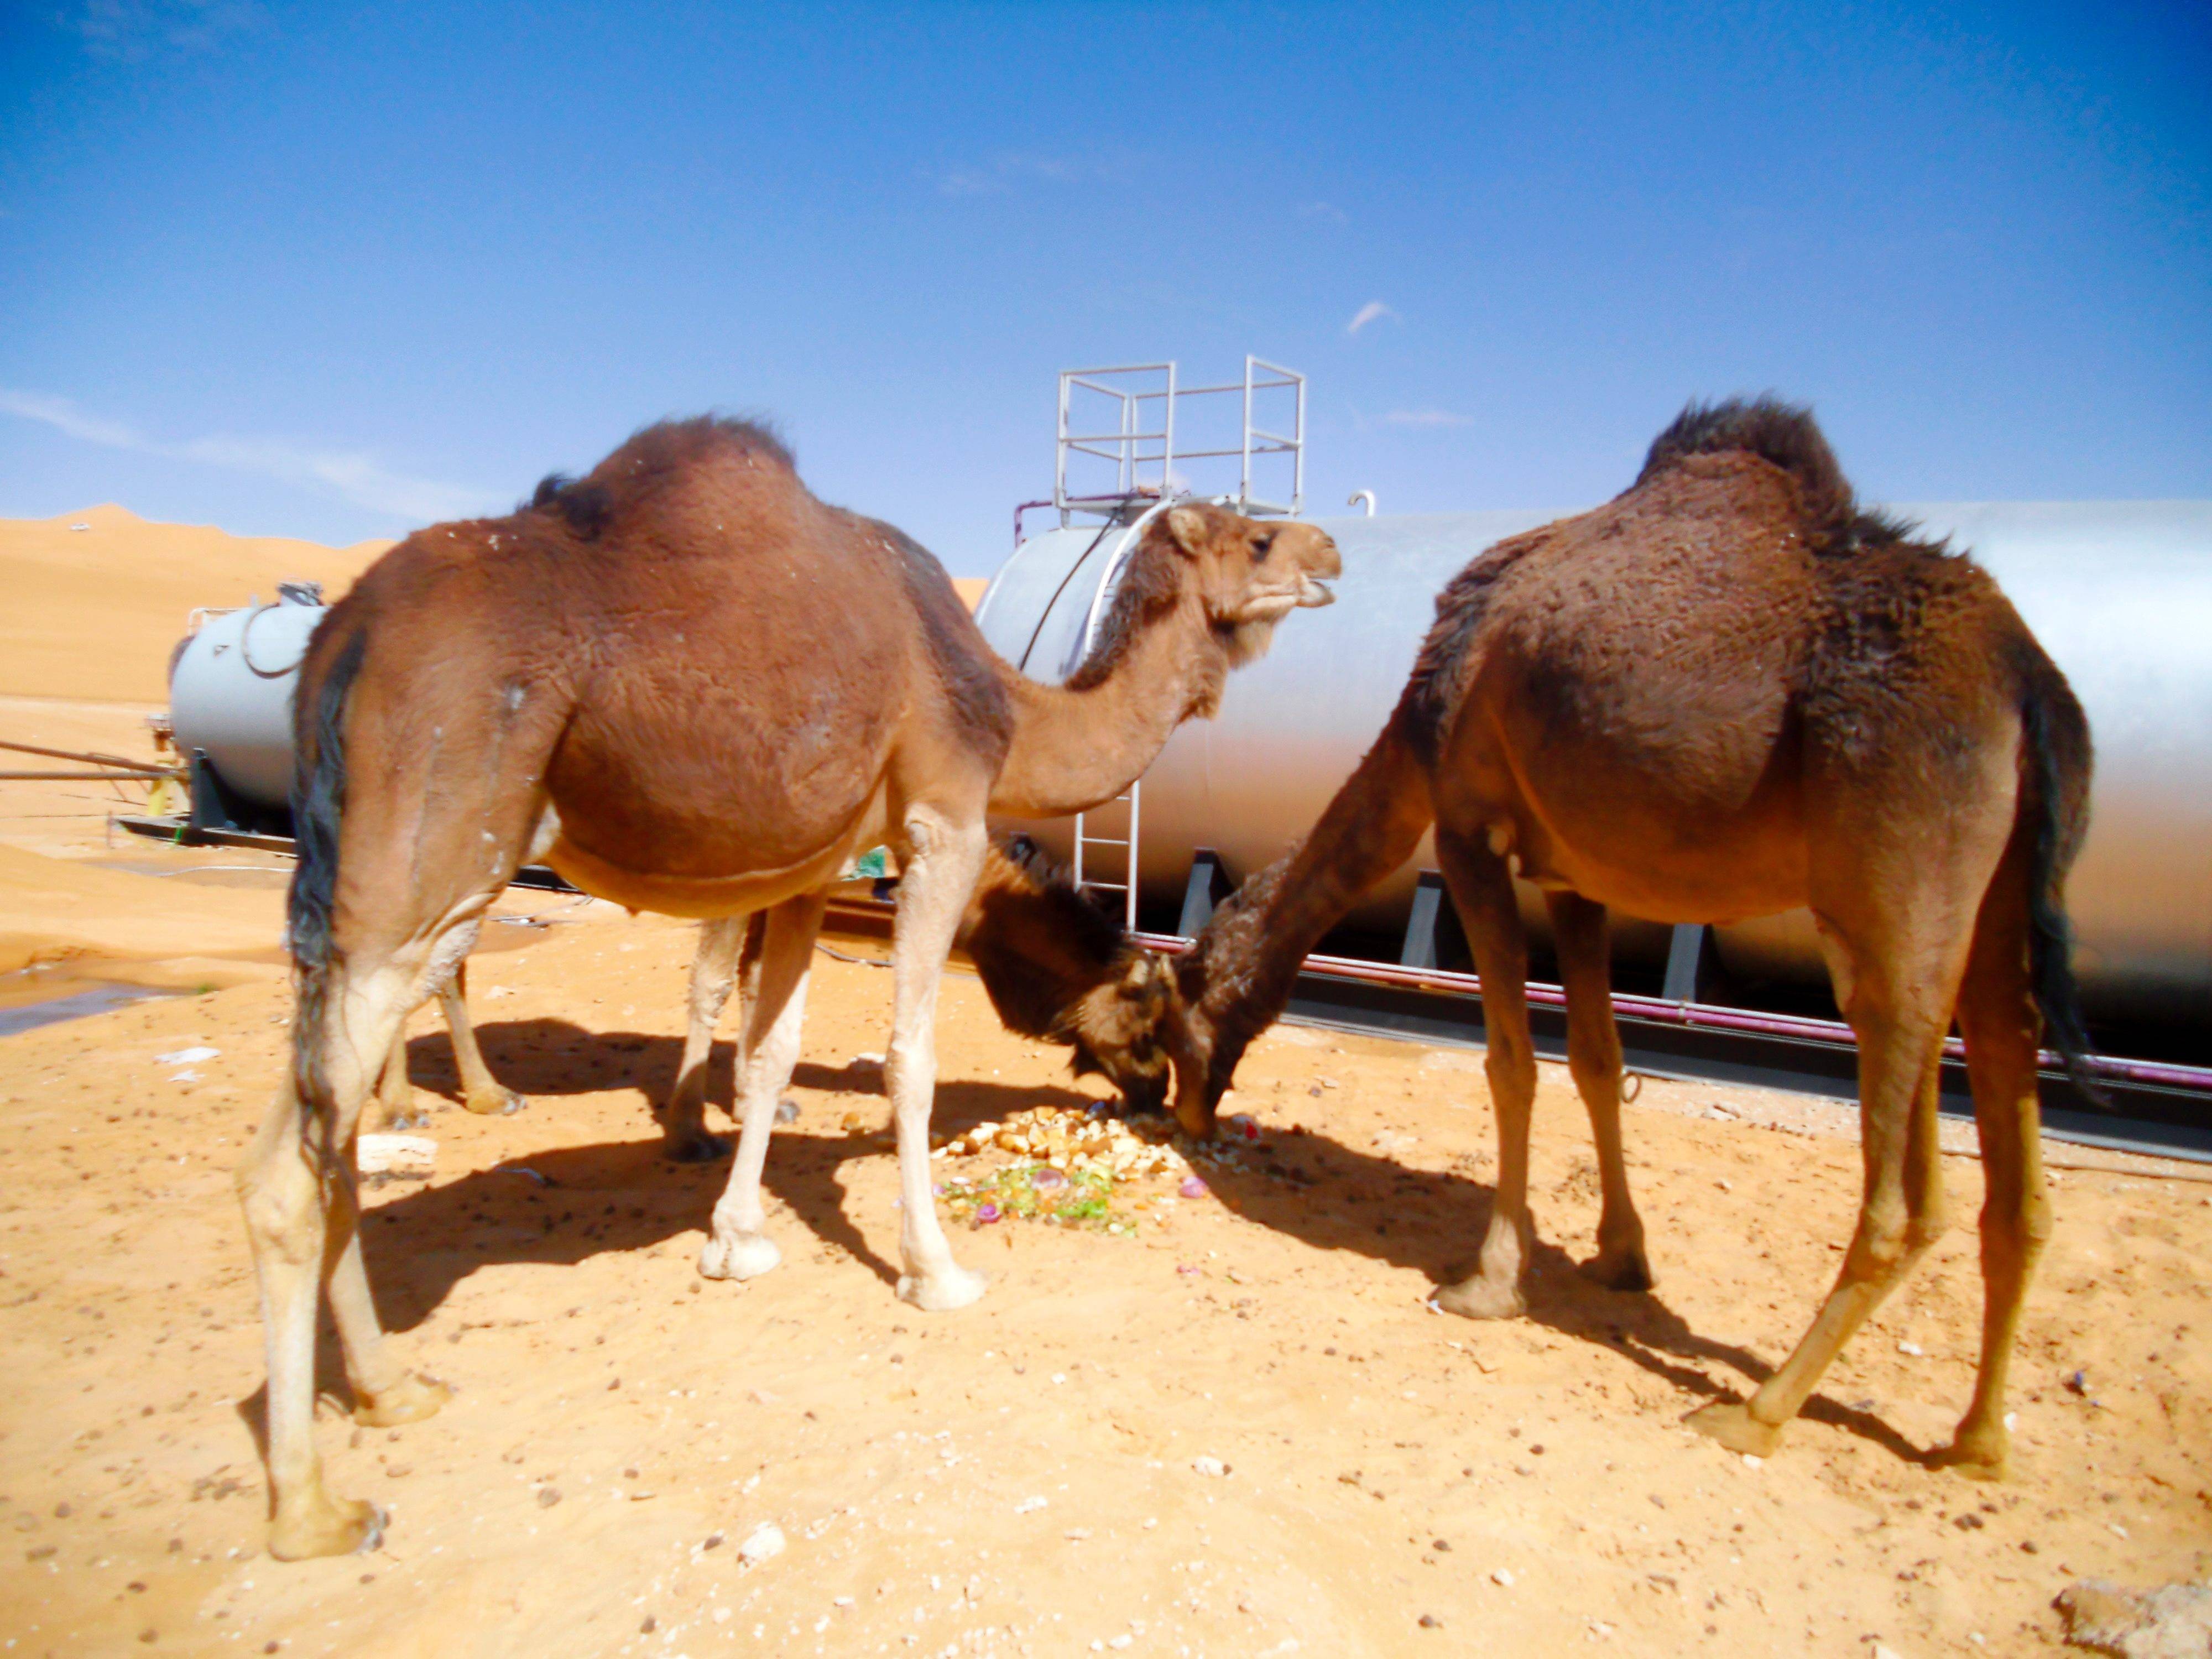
pixel 230 693
pixel 2118 592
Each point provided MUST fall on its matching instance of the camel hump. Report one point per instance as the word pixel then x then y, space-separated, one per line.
pixel 653 459
pixel 1784 435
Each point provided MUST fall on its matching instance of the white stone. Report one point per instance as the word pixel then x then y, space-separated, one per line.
pixel 764 1542
pixel 404 1155
pixel 1211 1466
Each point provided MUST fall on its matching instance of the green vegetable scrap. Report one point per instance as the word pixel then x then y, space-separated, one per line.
pixel 1036 1192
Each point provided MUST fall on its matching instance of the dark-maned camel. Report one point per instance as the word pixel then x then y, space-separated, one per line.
pixel 1058 968
pixel 692 688
pixel 1725 693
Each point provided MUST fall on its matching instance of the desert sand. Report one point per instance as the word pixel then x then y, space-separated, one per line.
pixel 1232 1427
pixel 93 612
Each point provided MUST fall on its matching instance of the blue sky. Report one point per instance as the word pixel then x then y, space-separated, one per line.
pixel 334 271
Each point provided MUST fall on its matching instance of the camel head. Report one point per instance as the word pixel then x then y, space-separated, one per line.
pixel 1251 573
pixel 1119 1030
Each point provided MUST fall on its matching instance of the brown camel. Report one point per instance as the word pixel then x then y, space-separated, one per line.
pixel 692 688
pixel 1054 965
pixel 1726 692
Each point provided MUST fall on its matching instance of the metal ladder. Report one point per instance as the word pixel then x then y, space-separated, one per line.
pixel 1127 886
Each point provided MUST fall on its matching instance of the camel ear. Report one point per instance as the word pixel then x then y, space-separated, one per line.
pixel 1187 526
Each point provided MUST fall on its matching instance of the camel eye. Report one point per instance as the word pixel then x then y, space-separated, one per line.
pixel 1260 544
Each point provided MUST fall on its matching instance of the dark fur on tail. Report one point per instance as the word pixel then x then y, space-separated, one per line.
pixel 2055 762
pixel 319 788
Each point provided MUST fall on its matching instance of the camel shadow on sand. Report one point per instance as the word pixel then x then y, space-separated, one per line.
pixel 626 1195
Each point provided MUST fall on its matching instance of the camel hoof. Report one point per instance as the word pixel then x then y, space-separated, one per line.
pixel 1973 1457
pixel 943 1291
pixel 1620 1270
pixel 326 1526
pixel 697 1147
pixel 409 1399
pixel 495 1102
pixel 740 1255
pixel 1477 1297
pixel 1735 1427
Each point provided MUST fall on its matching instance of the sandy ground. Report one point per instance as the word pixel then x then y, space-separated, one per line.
pixel 1025 1476
pixel 1527 1486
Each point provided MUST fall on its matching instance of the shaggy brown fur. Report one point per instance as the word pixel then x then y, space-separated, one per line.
pixel 1058 968
pixel 1726 692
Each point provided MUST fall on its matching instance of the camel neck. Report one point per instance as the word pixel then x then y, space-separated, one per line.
pixel 1240 977
pixel 1073 749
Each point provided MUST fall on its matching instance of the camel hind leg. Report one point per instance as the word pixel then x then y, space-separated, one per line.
pixel 713 972
pixel 398 861
pixel 1578 926
pixel 296 1184
pixel 2003 1030
pixel 481 1092
pixel 1896 963
pixel 395 1093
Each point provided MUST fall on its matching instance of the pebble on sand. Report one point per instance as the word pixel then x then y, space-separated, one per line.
pixel 761 1543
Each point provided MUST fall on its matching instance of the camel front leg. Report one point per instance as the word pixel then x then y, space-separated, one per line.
pixel 714 971
pixel 935 883
pixel 481 1092
pixel 737 1247
pixel 1482 891
pixel 1578 925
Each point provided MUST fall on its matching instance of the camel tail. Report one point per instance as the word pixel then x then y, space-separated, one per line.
pixel 319 788
pixel 2054 810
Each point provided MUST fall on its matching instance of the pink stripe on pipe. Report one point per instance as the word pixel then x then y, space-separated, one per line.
pixel 1699 1015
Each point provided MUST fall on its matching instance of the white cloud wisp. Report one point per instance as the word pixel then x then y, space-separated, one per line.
pixel 355 477
pixel 1373 311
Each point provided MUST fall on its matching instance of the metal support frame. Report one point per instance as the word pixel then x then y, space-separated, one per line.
pixel 1689 964
pixel 1208 884
pixel 214 804
pixel 1141 446
pixel 1433 939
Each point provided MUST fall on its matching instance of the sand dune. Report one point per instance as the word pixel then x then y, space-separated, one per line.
pixel 95 612
pixel 56 910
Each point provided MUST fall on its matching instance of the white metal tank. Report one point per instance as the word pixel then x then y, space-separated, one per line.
pixel 230 691
pixel 2118 592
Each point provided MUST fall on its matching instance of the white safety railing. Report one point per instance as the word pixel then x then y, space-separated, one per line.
pixel 1138 447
